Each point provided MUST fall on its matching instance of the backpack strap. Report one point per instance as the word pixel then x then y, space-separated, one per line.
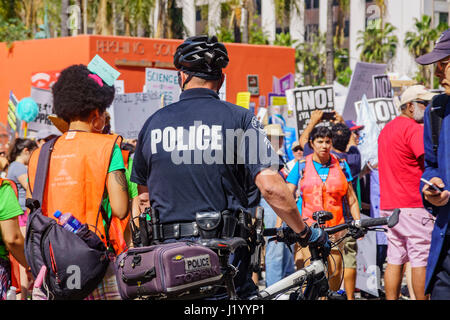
pixel 437 111
pixel 42 170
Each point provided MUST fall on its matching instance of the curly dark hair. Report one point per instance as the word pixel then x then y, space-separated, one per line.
pixel 76 95
pixel 341 136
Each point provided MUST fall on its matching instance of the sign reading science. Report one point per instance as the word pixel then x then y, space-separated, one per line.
pixel 383 109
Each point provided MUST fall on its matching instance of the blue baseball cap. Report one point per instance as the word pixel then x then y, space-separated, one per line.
pixel 440 51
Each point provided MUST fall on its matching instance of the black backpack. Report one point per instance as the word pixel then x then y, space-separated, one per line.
pixel 76 262
pixel 437 113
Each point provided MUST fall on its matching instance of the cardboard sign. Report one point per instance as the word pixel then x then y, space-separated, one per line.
pixel 101 68
pixel 160 82
pixel 383 108
pixel 243 99
pixel 361 84
pixel 253 84
pixel 130 111
pixel 382 87
pixel 305 100
pixel 44 100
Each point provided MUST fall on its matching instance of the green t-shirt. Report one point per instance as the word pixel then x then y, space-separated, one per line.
pixel 117 163
pixel 9 208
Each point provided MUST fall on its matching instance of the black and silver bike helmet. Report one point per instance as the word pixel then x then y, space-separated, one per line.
pixel 201 56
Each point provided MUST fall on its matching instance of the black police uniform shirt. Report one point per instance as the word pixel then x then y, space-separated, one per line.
pixel 193 155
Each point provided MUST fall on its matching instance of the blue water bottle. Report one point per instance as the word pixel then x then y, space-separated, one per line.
pixel 67 221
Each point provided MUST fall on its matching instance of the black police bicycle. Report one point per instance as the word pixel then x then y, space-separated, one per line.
pixel 310 282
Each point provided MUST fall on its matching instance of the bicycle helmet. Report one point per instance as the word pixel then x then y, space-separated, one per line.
pixel 201 56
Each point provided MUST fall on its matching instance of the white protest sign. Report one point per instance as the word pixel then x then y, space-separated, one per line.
pixel 361 84
pixel 44 100
pixel 130 111
pixel 119 86
pixel 367 271
pixel 223 90
pixel 384 110
pixel 307 99
pixel 160 82
pixel 368 144
pixel 382 87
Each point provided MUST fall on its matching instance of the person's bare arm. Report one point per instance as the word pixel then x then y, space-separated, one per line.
pixel 117 187
pixel 277 194
pixel 353 203
pixel 316 117
pixel 13 239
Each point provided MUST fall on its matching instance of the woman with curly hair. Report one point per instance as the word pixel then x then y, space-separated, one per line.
pixel 86 167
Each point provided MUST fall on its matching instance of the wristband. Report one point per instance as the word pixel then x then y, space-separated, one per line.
pixel 304 232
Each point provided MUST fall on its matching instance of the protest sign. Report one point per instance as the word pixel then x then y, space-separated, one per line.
pixel 367 271
pixel 223 90
pixel 361 84
pixel 253 84
pixel 101 68
pixel 44 100
pixel 44 80
pixel 305 100
pixel 161 82
pixel 261 115
pixel 384 110
pixel 130 111
pixel 382 87
pixel 287 82
pixel 243 99
pixel 13 122
pixel 368 135
pixel 119 86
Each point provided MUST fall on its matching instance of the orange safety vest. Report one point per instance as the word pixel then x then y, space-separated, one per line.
pixel 76 180
pixel 318 195
pixel 15 265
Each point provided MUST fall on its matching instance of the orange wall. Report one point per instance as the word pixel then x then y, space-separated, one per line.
pixel 28 57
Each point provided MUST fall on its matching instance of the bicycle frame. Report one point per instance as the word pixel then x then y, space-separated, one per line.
pixel 314 270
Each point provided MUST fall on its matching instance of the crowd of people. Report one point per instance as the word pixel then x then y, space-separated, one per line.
pixel 93 171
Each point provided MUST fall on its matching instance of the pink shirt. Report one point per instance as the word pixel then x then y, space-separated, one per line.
pixel 400 145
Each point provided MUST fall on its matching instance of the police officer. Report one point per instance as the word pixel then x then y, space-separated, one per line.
pixel 194 155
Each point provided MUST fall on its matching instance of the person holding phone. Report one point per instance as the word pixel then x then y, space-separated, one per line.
pixel 401 164
pixel 437 172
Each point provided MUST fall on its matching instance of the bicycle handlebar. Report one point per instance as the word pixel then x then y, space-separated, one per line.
pixel 365 223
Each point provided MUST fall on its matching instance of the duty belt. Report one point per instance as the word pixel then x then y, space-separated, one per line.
pixel 176 230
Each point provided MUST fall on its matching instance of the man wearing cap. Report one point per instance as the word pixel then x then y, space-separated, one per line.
pixel 279 260
pixel 401 164
pixel 437 171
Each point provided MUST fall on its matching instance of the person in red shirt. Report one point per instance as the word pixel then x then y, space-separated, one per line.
pixel 401 164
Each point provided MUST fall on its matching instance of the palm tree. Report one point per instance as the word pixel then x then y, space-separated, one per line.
pixel 421 41
pixel 63 14
pixel 343 12
pixel 378 45
pixel 330 45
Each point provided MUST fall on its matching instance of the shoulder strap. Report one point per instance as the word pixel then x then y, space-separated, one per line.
pixel 437 111
pixel 42 170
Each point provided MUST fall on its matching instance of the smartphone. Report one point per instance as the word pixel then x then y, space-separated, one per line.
pixel 328 116
pixel 432 185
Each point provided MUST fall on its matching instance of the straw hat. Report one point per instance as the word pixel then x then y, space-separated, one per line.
pixel 59 123
pixel 274 130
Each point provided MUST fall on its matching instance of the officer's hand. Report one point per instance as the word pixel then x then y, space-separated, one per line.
pixel 437 199
pixel 315 236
